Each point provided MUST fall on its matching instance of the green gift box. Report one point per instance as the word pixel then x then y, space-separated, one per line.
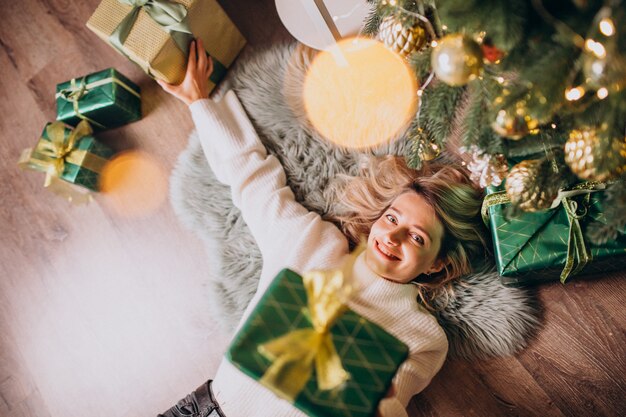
pixel 535 247
pixel 369 354
pixel 68 154
pixel 106 99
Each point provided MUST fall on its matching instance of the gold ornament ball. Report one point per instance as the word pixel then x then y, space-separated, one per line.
pixel 523 189
pixel 583 159
pixel 457 59
pixel 515 122
pixel 400 39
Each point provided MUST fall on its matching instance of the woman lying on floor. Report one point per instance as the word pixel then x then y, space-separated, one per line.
pixel 423 231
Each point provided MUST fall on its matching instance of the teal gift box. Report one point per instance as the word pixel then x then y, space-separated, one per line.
pixel 106 99
pixel 368 354
pixel 542 246
pixel 69 154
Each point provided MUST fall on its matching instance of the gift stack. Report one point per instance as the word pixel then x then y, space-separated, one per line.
pixel 155 35
pixel 67 151
pixel 303 344
pixel 545 245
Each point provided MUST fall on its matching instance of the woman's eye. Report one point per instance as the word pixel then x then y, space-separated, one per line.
pixel 418 239
pixel 391 218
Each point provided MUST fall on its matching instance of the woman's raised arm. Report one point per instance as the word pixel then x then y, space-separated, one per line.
pixel 287 234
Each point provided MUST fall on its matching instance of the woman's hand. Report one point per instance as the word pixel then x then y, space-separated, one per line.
pixel 196 83
pixel 390 393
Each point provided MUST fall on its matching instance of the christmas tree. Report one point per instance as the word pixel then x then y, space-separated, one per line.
pixel 534 90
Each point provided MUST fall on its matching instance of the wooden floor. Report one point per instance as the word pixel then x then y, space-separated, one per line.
pixel 103 307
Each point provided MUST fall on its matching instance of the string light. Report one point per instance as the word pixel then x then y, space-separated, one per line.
pixel 575 93
pixel 596 47
pixel 607 27
pixel 602 93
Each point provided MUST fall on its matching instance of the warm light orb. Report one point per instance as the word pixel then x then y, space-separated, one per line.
pixel 133 184
pixel 359 94
pixel 575 93
pixel 607 27
pixel 596 48
pixel 602 93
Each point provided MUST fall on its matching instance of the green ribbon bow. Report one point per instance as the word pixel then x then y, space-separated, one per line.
pixel 171 16
pixel 578 256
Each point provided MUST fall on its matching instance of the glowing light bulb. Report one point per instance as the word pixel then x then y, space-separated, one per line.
pixel 575 93
pixel 602 93
pixel 607 27
pixel 596 47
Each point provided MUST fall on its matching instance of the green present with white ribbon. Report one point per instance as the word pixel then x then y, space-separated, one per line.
pixel 535 247
pixel 106 99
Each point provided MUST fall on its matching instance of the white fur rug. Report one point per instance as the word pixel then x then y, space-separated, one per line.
pixel 484 319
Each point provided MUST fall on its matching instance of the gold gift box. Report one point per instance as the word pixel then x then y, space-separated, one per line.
pixel 154 50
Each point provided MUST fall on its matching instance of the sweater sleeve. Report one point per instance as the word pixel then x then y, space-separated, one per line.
pixel 285 231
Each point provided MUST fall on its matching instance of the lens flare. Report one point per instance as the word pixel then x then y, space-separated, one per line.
pixel 133 184
pixel 359 94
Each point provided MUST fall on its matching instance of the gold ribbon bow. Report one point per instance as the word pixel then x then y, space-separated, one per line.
pixel 51 156
pixel 578 256
pixel 295 353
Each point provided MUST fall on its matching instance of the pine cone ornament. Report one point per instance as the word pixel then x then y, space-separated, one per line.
pixel 486 169
pixel 401 39
pixel 590 160
pixel 529 187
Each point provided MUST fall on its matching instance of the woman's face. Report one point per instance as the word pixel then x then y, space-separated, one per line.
pixel 404 242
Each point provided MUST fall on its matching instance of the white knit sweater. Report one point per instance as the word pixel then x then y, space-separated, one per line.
pixel 290 236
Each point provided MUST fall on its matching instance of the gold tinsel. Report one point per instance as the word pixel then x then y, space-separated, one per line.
pixel 525 191
pixel 585 158
pixel 401 39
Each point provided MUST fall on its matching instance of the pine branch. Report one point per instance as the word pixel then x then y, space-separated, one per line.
pixel 440 103
pixel 613 222
pixel 503 21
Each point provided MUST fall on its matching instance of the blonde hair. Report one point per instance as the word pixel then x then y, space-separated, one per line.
pixel 362 199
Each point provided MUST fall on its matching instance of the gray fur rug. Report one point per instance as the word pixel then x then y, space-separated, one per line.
pixel 483 319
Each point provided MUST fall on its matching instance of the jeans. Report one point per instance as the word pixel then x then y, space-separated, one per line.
pixel 200 403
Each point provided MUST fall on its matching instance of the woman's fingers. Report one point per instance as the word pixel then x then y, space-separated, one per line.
pixel 202 62
pixel 169 88
pixel 209 69
pixel 191 63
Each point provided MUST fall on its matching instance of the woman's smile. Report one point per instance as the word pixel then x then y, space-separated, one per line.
pixel 385 252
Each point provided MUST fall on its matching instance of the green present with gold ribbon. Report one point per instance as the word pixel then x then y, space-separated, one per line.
pixel 535 247
pixel 69 156
pixel 106 99
pixel 155 34
pixel 305 345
